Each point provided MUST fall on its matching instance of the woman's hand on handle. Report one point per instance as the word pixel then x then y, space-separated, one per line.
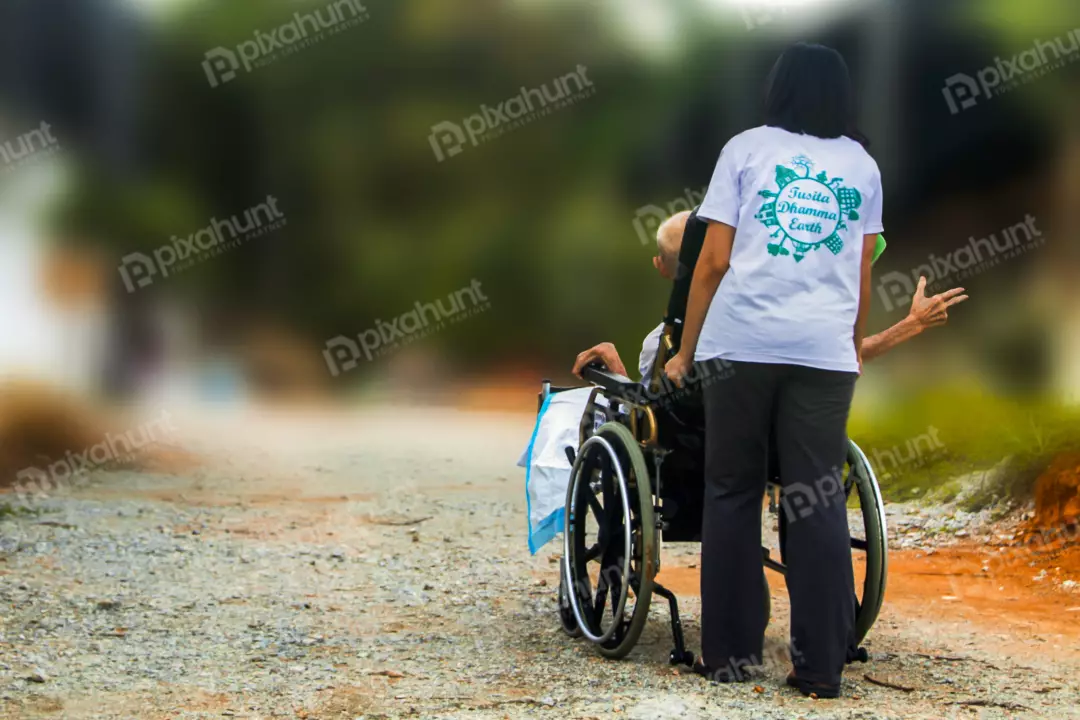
pixel 678 368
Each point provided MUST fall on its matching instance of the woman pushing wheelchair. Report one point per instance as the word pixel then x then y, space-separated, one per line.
pixel 775 287
pixel 781 291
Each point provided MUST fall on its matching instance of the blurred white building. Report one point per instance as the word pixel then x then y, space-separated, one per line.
pixel 53 314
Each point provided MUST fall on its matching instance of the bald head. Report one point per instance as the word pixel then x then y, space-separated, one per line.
pixel 669 242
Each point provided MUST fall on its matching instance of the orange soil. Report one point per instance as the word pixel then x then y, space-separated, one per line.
pixel 970 583
pixel 1057 492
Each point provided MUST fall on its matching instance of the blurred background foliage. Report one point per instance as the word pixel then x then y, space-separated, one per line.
pixel 961 442
pixel 544 216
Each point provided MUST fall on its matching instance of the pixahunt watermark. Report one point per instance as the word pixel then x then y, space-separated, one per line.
pixel 223 65
pixel 139 270
pixel 700 376
pixel 962 91
pixel 917 452
pixel 775 659
pixel 649 218
pixel 65 473
pixel 800 500
pixel 448 139
pixel 974 258
pixel 343 353
pixel 29 148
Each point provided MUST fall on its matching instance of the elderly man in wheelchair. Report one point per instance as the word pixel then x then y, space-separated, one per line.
pixel 625 460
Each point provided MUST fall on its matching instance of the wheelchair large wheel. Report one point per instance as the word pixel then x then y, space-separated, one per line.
pixel 610 550
pixel 861 489
pixel 874 541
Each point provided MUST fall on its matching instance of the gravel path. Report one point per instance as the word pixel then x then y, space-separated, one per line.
pixel 375 566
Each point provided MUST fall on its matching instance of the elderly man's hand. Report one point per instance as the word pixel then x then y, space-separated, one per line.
pixel 930 312
pixel 605 353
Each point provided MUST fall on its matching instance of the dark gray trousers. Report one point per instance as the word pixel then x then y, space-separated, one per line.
pixel 808 410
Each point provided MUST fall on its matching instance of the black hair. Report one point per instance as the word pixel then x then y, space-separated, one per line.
pixel 809 91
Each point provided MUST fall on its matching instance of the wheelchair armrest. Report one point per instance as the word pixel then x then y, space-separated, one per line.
pixel 611 381
pixel 595 374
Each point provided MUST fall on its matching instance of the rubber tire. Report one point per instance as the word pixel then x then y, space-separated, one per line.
pixel 877 550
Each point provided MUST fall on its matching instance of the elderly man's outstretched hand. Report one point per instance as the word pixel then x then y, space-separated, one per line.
pixel 605 353
pixel 932 311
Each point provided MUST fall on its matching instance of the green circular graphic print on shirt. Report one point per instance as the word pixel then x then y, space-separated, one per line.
pixel 807 212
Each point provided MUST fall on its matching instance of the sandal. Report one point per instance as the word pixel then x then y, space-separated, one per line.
pixel 809 687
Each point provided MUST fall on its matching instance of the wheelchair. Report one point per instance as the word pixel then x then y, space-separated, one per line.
pixel 637 479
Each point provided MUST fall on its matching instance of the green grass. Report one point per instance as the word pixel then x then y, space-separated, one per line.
pixel 975 431
pixel 7 510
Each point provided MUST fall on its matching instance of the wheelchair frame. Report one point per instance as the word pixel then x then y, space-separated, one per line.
pixel 619 464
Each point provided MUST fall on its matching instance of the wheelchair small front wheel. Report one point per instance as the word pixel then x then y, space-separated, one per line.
pixel 768 598
pixel 609 540
pixel 567 620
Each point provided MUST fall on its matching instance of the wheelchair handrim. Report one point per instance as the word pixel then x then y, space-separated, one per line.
pixel 624 591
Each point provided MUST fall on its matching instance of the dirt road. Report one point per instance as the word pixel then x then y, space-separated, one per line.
pixel 374 565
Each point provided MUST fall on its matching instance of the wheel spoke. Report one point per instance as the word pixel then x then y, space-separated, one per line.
pixel 620 632
pixel 616 589
pixel 610 572
pixel 597 511
pixel 607 476
pixel 594 503
pixel 599 602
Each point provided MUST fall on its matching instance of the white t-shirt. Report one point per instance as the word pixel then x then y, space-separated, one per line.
pixel 649 348
pixel 801 206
